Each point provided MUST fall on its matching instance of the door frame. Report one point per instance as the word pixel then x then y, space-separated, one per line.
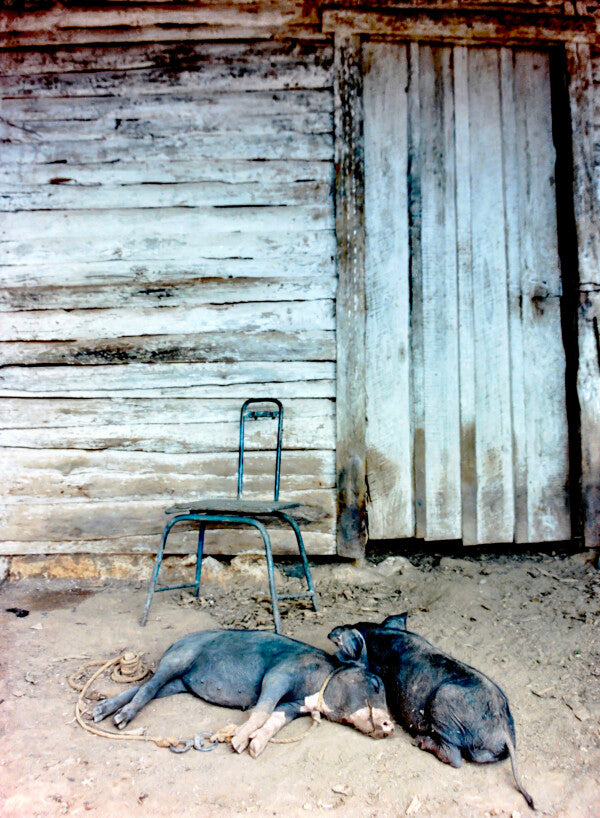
pixel 575 36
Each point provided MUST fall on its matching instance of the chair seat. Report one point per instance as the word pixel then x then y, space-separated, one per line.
pixel 247 508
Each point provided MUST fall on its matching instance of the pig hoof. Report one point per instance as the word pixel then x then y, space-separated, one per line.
pixel 239 743
pixel 123 717
pixel 99 713
pixel 256 747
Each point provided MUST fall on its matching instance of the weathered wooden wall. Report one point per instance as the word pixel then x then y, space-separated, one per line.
pixel 168 250
pixel 168 243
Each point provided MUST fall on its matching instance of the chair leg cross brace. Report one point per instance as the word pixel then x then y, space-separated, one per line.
pixel 203 519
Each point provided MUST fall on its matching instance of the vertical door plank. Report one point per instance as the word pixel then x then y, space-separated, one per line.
pixel 464 257
pixel 544 365
pixel 512 183
pixel 416 317
pixel 351 299
pixel 389 428
pixel 439 288
pixel 493 433
pixel 587 223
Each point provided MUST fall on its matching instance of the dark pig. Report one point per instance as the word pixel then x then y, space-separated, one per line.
pixel 452 709
pixel 279 678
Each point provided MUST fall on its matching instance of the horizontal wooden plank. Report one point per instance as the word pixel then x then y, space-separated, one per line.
pixel 231 541
pixel 50 119
pixel 148 247
pixel 174 235
pixel 188 293
pixel 287 379
pixel 257 76
pixel 302 388
pixel 261 30
pixel 54 474
pixel 164 270
pixel 89 430
pixel 249 58
pixel 232 172
pixel 302 345
pixel 464 27
pixel 202 146
pixel 167 224
pixel 101 195
pixel 85 520
pixel 140 16
pixel 170 437
pixel 113 323
pixel 167 128
pixel 25 413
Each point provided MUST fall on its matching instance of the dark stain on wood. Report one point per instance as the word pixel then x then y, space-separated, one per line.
pixel 352 508
pixel 210 347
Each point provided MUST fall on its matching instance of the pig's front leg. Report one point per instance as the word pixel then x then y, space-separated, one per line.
pixel 282 715
pixel 274 686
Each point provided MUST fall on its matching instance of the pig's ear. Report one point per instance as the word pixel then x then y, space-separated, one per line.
pixel 351 644
pixel 397 622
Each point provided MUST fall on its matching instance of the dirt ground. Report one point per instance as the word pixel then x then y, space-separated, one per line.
pixel 528 621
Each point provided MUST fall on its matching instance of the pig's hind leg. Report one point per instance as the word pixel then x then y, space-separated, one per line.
pixel 163 683
pixel 448 714
pixel 110 706
pixel 448 753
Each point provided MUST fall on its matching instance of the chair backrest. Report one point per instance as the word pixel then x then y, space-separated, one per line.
pixel 256 414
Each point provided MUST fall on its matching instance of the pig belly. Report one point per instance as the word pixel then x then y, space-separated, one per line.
pixel 224 683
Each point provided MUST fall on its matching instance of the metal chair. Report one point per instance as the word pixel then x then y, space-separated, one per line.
pixel 239 512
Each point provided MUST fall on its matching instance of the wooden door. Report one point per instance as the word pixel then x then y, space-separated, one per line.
pixel 466 419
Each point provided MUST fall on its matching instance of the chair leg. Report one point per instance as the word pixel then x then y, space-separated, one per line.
pixel 302 550
pixel 199 554
pixel 154 578
pixel 271 573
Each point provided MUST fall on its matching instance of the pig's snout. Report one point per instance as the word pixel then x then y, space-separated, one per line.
pixel 383 726
pixel 373 721
pixel 383 729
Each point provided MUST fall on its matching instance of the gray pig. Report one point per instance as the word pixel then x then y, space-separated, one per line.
pixel 278 677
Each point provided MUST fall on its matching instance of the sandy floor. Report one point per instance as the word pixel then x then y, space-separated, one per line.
pixel 531 623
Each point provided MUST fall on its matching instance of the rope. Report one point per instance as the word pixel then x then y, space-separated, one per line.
pixel 127 668
pixel 131 669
